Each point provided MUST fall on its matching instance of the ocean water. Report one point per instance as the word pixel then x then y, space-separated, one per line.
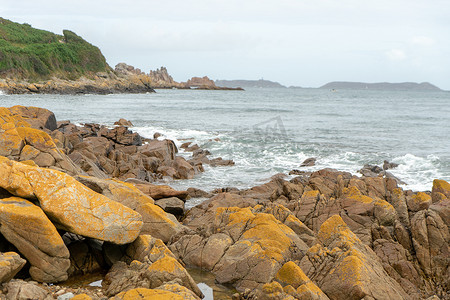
pixel 267 131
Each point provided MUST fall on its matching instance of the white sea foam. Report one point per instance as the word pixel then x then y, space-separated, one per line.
pixel 417 172
pixel 2 93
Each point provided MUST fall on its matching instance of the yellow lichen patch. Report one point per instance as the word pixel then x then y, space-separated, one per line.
pixel 441 185
pixel 421 197
pixel 273 289
pixel 165 264
pixel 29 152
pixel 179 290
pixel 350 270
pixel 384 212
pixel 127 190
pixel 160 249
pixel 38 138
pixel 147 294
pixel 6 116
pixel 308 289
pixel 354 194
pixel 311 194
pixel 81 297
pixel 335 226
pixel 10 142
pixel 29 163
pixel 291 274
pixel 29 221
pixel 419 201
pixel 270 235
pixel 69 203
pixel 7 126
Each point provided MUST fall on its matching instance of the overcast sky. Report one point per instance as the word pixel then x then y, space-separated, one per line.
pixel 295 42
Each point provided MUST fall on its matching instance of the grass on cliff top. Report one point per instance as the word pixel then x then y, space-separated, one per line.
pixel 34 54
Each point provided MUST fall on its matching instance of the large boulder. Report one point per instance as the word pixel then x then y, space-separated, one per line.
pixel 155 267
pixel 23 290
pixel 345 268
pixel 205 212
pixel 431 240
pixel 441 190
pixel 360 212
pixel 10 264
pixel 156 222
pixel 71 205
pixel 290 274
pixel 27 227
pixel 160 191
pixel 245 249
pixel 39 118
pixel 144 294
pixel 21 142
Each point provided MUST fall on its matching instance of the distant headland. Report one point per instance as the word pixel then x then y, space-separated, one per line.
pixel 380 86
pixel 261 83
pixel 34 61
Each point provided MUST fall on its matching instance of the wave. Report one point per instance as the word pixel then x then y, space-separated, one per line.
pixel 257 162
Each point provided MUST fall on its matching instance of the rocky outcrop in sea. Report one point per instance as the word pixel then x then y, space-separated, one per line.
pixel 80 201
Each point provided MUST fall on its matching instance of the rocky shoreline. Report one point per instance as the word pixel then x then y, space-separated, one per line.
pixel 88 200
pixel 124 79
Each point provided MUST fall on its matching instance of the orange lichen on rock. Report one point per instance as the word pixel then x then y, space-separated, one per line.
pixel 291 274
pixel 27 227
pixel 440 187
pixel 81 297
pixel 147 294
pixel 419 201
pixel 73 206
pixel 354 194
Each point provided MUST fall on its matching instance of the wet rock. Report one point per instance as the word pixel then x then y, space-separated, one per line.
pixel 123 122
pixel 10 265
pixel 91 214
pixel 121 135
pixel 309 162
pixel 388 165
pixel 198 193
pixel 27 227
pixel 370 170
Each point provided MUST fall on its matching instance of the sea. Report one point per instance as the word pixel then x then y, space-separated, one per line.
pixel 270 131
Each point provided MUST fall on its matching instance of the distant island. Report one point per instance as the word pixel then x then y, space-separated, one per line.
pixel 380 86
pixel 261 83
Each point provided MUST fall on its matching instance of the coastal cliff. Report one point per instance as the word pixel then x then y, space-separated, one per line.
pixel 87 199
pixel 39 61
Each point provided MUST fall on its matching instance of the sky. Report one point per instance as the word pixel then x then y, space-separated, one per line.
pixel 303 43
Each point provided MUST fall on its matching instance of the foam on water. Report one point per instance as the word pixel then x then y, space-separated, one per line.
pixel 418 172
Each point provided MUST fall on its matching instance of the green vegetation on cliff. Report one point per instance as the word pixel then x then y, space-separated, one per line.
pixel 34 54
